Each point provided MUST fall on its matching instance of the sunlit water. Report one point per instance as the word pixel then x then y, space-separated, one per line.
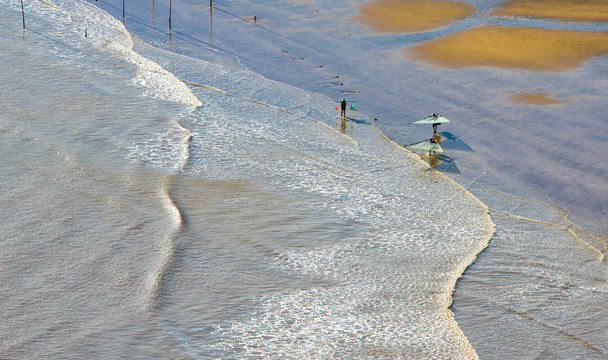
pixel 224 215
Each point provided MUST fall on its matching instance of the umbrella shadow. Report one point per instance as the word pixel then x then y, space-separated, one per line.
pixel 443 163
pixel 447 165
pixel 453 142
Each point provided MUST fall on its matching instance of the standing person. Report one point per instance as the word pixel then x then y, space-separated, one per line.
pixel 435 124
pixel 437 137
pixel 343 107
pixel 433 140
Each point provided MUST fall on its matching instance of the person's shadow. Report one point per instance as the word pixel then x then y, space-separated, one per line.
pixel 357 121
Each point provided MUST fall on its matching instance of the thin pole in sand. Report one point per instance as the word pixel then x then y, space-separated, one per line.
pixel 123 12
pixel 22 14
pixel 210 22
pixel 152 12
pixel 169 19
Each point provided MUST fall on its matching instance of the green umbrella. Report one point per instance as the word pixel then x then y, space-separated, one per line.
pixel 435 120
pixel 426 145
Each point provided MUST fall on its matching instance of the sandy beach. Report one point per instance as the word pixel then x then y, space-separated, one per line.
pixel 569 10
pixel 536 98
pixel 490 45
pixel 512 46
pixel 397 16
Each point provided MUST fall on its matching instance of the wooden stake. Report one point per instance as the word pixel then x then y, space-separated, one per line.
pixel 22 14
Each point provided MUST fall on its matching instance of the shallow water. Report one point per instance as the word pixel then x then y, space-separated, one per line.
pixel 537 167
pixel 227 219
pixel 226 215
pixel 321 47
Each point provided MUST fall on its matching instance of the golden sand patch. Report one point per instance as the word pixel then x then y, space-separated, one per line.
pixel 512 46
pixel 572 10
pixel 538 98
pixel 405 16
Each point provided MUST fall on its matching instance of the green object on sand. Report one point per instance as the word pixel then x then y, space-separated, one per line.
pixel 426 145
pixel 352 106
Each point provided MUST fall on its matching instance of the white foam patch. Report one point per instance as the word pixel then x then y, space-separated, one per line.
pixel 389 295
pixel 166 151
pixel 384 296
pixel 82 19
pixel 78 18
pixel 159 82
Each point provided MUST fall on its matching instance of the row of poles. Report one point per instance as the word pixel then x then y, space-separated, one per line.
pixel 123 13
pixel 170 7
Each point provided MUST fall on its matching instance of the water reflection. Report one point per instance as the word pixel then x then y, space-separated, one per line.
pixel 441 161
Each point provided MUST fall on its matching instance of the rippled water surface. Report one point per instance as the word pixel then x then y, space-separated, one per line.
pixel 163 205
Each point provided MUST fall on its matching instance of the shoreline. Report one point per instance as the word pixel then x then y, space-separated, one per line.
pixel 543 51
pixel 468 183
pixel 586 207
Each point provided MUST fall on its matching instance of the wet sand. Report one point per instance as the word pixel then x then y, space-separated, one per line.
pixel 512 46
pixel 570 10
pixel 536 98
pixel 405 16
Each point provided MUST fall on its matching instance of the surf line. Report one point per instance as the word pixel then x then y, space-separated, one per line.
pixel 236 97
pixel 186 147
pixel 602 257
pixel 571 227
pixel 551 327
pixel 168 249
pixel 270 107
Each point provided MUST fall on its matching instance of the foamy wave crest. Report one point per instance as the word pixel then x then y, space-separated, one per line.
pixel 82 19
pixel 169 150
pixel 154 281
pixel 159 82
pixel 105 32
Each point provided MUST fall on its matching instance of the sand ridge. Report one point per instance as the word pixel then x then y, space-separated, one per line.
pixel 536 98
pixel 528 48
pixel 569 10
pixel 406 16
